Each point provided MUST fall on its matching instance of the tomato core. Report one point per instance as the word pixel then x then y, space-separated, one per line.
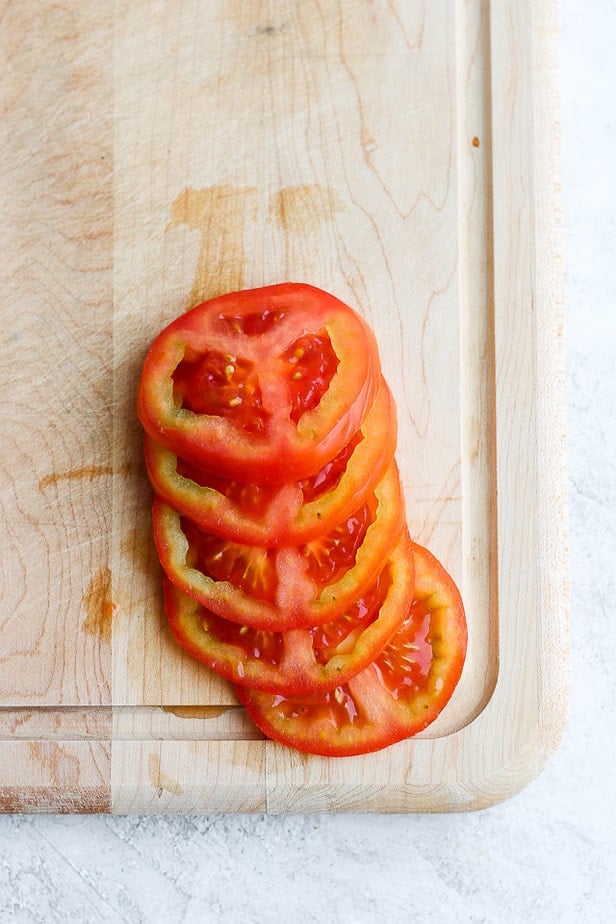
pixel 253 324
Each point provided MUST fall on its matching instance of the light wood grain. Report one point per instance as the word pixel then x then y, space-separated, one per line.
pixel 178 776
pixel 402 155
pixel 55 776
pixel 56 412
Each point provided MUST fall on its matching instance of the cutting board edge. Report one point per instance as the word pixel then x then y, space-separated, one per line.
pixel 56 789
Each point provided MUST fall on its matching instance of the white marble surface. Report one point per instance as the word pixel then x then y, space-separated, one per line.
pixel 547 855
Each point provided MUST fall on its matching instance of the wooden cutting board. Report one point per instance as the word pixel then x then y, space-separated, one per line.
pixel 402 155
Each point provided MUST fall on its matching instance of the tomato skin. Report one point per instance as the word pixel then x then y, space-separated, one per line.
pixel 291 662
pixel 255 329
pixel 371 711
pixel 289 514
pixel 279 522
pixel 297 601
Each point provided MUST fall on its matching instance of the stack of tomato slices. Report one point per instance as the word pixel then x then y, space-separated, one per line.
pixel 280 526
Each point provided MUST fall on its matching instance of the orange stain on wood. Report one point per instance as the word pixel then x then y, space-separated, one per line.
pixel 56 800
pixel 475 142
pixel 161 780
pixel 75 474
pixel 138 546
pixel 304 208
pixel 197 712
pixel 85 77
pixel 60 766
pixel 219 214
pixel 98 605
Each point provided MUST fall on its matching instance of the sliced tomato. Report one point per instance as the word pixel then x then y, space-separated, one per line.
pixel 275 515
pixel 264 385
pixel 289 587
pixel 400 693
pixel 301 660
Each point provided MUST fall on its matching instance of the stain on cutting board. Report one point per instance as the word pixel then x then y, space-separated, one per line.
pixel 305 207
pixel 138 547
pixel 161 780
pixel 60 766
pixel 98 605
pixel 83 473
pixel 219 214
pixel 197 712
pixel 86 471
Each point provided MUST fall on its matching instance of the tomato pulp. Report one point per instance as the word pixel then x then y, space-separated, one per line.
pixel 396 696
pixel 279 522
pixel 277 589
pixel 263 385
pixel 275 515
pixel 300 660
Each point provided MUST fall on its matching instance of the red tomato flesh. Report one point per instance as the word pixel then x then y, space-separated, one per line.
pixel 222 385
pixel 288 587
pixel 265 385
pixel 310 365
pixel 302 660
pixel 396 696
pixel 275 515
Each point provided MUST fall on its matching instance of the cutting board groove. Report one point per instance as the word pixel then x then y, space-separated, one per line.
pixel 403 156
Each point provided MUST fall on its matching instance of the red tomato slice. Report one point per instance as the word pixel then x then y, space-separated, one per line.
pixel 302 660
pixel 401 692
pixel 264 385
pixel 290 514
pixel 287 588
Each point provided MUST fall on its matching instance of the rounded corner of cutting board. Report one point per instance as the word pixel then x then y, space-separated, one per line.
pixel 519 761
pixel 505 747
pixel 510 781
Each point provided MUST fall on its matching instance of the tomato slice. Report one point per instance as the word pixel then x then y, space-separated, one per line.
pixel 301 660
pixel 264 385
pixel 275 515
pixel 400 693
pixel 290 587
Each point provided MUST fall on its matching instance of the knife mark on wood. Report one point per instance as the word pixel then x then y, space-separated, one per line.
pixel 304 208
pixel 98 605
pixel 269 29
pixel 219 213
